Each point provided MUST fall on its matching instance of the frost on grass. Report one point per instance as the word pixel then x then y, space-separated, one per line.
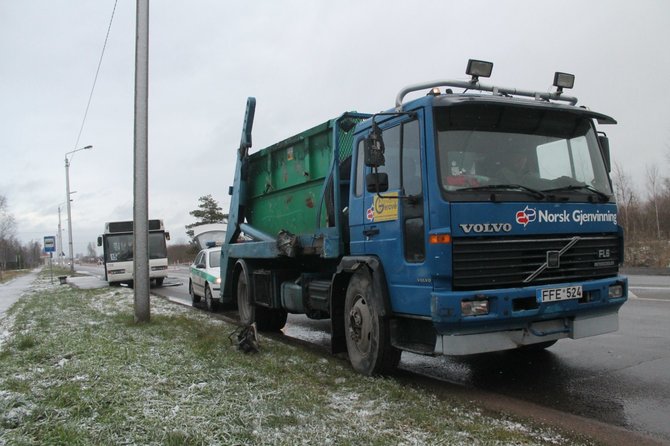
pixel 73 361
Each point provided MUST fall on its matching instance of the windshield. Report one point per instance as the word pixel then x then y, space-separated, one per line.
pixel 493 147
pixel 119 247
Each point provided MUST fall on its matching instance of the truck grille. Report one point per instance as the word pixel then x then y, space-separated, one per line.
pixel 505 262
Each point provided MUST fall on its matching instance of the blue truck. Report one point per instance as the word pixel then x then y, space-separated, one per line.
pixel 455 223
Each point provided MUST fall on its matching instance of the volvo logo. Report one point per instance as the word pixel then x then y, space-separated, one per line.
pixel 479 228
pixel 553 260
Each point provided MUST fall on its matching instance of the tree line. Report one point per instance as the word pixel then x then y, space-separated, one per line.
pixel 13 254
pixel 644 216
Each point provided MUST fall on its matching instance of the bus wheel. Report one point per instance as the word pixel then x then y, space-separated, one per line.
pixel 367 333
pixel 212 305
pixel 194 297
pixel 159 281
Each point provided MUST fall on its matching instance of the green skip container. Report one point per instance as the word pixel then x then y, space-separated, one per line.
pixel 286 181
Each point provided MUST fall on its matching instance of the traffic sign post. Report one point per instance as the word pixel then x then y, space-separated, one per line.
pixel 50 247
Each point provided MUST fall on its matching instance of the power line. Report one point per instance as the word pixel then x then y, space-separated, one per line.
pixel 95 80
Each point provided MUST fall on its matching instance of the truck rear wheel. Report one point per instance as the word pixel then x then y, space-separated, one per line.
pixel 367 333
pixel 267 319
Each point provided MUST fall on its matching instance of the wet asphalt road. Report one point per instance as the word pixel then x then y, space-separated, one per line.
pixel 621 378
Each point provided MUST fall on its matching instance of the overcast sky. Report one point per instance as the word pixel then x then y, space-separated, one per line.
pixel 305 62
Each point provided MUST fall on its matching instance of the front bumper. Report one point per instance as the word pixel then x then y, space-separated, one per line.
pixel 517 317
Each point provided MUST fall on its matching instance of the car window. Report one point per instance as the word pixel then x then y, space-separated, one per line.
pixel 199 258
pixel 215 259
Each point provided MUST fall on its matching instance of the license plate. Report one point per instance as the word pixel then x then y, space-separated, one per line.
pixel 563 293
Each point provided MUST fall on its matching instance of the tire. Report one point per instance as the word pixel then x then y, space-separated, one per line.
pixel 194 298
pixel 266 319
pixel 212 305
pixel 367 333
pixel 245 309
pixel 159 281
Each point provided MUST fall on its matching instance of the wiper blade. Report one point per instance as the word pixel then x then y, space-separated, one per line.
pixel 511 187
pixel 602 195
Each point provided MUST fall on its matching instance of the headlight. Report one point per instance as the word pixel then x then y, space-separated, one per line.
pixel 615 291
pixel 474 307
pixel 218 281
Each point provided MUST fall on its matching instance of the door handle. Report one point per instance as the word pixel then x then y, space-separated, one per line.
pixel 370 232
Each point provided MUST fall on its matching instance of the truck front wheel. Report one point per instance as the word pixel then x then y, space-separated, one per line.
pixel 367 333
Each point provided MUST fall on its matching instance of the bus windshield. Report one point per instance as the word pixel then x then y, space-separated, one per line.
pixel 119 247
pixel 485 147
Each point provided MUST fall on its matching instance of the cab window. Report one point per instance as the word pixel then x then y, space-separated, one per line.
pixel 392 156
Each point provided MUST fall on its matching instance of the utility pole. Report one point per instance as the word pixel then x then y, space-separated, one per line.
pixel 141 184
pixel 69 210
pixel 59 240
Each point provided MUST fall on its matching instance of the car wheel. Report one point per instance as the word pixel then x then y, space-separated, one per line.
pixel 194 298
pixel 212 305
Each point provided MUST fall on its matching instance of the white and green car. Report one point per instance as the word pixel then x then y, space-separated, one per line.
pixel 205 279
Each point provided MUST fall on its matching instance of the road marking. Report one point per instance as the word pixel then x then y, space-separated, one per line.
pixel 633 296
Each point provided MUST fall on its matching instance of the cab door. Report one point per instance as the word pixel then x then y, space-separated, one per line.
pixel 394 228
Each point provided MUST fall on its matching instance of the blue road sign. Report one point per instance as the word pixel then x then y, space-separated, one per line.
pixel 50 243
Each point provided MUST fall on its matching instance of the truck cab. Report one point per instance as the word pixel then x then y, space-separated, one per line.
pixel 495 219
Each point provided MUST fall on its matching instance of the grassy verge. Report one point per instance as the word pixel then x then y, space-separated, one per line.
pixel 75 369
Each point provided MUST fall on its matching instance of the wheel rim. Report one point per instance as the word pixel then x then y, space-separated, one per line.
pixel 360 325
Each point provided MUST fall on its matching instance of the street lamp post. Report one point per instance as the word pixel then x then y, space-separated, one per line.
pixel 69 211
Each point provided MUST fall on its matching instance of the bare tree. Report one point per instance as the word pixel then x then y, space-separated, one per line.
pixel 626 198
pixel 653 190
pixel 7 226
pixel 90 251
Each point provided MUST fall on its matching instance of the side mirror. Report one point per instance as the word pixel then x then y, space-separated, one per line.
pixel 99 241
pixel 167 235
pixel 374 148
pixel 605 150
pixel 200 266
pixel 377 182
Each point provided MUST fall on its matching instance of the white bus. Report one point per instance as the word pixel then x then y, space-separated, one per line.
pixel 117 246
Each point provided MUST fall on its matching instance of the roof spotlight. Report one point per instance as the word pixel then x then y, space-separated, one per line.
pixel 563 80
pixel 477 68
